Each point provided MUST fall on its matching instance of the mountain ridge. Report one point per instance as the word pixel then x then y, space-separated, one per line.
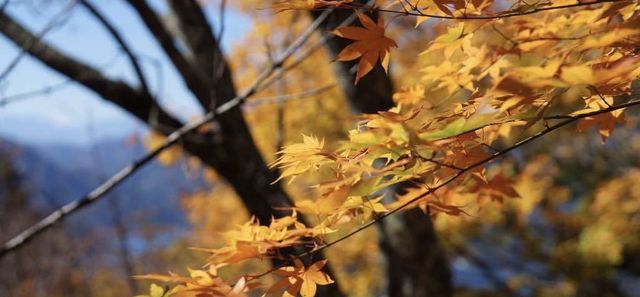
pixel 56 174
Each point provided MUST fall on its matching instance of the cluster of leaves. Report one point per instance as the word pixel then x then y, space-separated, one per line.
pixel 486 85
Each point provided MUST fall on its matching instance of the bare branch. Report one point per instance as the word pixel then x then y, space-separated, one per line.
pixel 518 11
pixel 139 104
pixel 222 17
pixel 34 93
pixel 302 56
pixel 287 97
pixel 48 89
pixel 205 49
pixel 133 59
pixel 56 21
pixel 193 79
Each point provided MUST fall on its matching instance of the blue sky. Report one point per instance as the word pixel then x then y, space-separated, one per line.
pixel 73 114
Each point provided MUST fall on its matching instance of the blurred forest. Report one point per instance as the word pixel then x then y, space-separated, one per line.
pixel 568 223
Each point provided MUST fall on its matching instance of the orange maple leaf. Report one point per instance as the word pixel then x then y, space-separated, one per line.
pixel 370 45
pixel 497 188
pixel 605 121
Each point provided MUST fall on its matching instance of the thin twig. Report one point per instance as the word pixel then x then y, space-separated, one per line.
pixel 309 51
pixel 133 59
pixel 258 101
pixel 57 20
pixel 35 93
pixel 50 88
pixel 512 13
pixel 221 15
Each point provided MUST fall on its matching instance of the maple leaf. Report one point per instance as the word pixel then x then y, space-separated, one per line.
pixel 497 188
pixel 200 283
pixel 298 279
pixel 452 210
pixel 412 96
pixel 299 158
pixel 605 121
pixel 370 45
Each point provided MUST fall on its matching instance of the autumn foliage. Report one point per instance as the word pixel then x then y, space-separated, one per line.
pixel 494 77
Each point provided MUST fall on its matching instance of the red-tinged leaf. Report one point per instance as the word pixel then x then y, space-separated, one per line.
pixel 371 45
pixel 451 210
pixel 606 122
pixel 497 188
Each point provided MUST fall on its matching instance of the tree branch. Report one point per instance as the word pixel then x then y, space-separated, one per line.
pixel 519 11
pixel 288 97
pixel 28 44
pixel 193 79
pixel 133 59
pixel 205 50
pixel 139 104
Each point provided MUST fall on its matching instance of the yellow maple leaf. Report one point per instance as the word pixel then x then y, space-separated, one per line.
pixel 313 277
pixel 370 45
pixel 300 280
pixel 299 158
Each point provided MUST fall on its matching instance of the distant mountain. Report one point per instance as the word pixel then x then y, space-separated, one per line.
pixel 56 174
pixel 47 131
